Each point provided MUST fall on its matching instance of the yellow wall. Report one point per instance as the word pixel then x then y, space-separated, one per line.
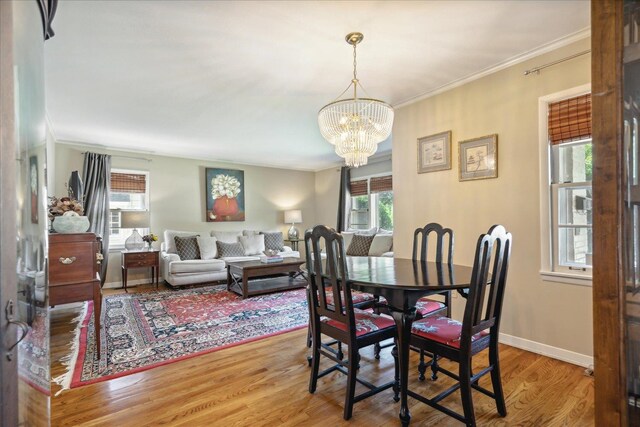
pixel 506 103
pixel 177 194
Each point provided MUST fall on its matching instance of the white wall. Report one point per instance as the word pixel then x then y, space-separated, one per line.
pixel 552 314
pixel 177 194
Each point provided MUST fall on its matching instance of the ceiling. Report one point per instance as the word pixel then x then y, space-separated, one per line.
pixel 242 81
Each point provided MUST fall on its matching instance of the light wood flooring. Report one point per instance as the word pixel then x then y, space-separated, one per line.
pixel 265 383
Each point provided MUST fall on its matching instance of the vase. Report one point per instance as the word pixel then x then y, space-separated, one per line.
pixel 68 223
pixel 225 206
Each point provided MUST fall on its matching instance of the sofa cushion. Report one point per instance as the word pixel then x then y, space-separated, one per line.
pixel 250 232
pixel 187 247
pixel 229 249
pixel 207 247
pixel 197 266
pixel 226 236
pixel 360 245
pixel 273 240
pixel 368 231
pixel 253 245
pixel 169 239
pixel 381 243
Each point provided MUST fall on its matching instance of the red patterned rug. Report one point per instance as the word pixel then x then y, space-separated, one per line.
pixel 143 331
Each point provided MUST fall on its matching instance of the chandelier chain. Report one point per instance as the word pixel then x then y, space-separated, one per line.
pixel 355 74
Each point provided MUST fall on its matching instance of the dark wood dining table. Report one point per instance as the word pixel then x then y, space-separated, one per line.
pixel 402 282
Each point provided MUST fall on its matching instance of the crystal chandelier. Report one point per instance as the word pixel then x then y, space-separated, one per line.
pixel 355 125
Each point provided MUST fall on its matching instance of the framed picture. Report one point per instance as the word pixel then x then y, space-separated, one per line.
pixel 434 152
pixel 34 184
pixel 224 194
pixel 478 158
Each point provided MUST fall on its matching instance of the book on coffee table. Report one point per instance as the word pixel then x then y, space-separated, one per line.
pixel 270 259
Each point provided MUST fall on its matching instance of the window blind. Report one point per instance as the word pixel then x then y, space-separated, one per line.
pixel 570 120
pixel 358 188
pixel 381 183
pixel 128 182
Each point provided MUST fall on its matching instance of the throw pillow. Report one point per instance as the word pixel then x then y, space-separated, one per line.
pixel 207 247
pixel 229 249
pixel 187 247
pixel 381 243
pixel 360 245
pixel 347 236
pixel 253 245
pixel 273 241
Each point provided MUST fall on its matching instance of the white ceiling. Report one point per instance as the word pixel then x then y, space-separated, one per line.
pixel 242 81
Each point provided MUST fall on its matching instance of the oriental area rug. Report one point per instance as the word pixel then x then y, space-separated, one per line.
pixel 146 330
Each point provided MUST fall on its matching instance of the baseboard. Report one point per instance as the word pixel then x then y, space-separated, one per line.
pixel 118 284
pixel 547 350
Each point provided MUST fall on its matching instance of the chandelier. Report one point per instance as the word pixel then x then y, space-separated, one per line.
pixel 355 126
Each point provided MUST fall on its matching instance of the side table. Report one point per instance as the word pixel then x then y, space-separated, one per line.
pixel 294 243
pixel 148 258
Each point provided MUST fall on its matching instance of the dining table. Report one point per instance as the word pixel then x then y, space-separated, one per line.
pixel 402 282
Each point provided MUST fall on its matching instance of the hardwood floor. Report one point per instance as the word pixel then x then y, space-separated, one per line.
pixel 265 383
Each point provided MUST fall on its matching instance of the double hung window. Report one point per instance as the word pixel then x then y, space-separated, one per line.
pixel 129 192
pixel 570 194
pixel 372 203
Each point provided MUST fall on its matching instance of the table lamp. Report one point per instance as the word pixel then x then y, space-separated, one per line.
pixel 292 217
pixel 135 220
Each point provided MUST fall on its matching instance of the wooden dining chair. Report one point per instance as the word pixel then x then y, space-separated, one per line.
pixel 427 306
pixel 340 320
pixel 459 342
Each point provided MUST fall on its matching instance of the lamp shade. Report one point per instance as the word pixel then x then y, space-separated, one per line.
pixel 134 219
pixel 293 216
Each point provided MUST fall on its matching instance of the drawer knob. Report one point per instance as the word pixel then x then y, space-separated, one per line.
pixel 67 261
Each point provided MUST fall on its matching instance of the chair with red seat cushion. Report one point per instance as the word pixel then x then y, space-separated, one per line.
pixel 340 320
pixel 478 331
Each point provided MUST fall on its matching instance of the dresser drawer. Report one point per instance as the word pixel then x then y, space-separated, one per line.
pixel 72 262
pixel 140 259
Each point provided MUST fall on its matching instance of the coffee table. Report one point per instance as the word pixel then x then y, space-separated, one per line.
pixel 274 277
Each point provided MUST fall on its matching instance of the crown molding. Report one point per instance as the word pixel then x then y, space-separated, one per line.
pixel 540 50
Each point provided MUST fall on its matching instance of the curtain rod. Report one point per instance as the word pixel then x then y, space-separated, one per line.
pixel 125 157
pixel 536 70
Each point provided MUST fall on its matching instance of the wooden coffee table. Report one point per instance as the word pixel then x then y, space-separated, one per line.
pixel 274 277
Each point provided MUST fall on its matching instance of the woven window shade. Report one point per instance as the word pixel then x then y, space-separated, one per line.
pixel 358 188
pixel 128 183
pixel 570 120
pixel 381 183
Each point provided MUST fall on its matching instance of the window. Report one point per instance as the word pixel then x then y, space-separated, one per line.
pixel 372 203
pixel 567 193
pixel 129 192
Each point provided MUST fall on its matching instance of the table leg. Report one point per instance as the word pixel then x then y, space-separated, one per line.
pixel 245 283
pixel 228 278
pixel 124 279
pixel 404 320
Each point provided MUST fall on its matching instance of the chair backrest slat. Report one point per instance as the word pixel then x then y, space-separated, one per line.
pixel 484 302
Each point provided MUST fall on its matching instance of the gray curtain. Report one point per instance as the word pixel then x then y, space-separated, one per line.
pixel 344 200
pixel 96 176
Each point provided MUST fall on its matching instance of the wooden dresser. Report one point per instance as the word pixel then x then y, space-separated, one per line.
pixel 73 272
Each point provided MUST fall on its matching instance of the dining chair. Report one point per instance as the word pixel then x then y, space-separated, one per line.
pixel 340 320
pixel 478 331
pixel 427 306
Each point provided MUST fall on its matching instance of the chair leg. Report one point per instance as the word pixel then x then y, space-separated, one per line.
pixel 465 391
pixel 339 353
pixel 309 335
pixel 422 367
pixel 315 363
pixel 496 381
pixel 376 350
pixel 396 373
pixel 351 382
pixel 434 367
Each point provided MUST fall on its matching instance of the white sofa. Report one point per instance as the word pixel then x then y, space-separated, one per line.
pixel 179 273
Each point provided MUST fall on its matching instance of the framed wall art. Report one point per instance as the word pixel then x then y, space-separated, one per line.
pixel 434 152
pixel 224 194
pixel 478 158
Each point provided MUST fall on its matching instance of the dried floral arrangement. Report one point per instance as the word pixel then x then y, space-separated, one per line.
pixel 58 207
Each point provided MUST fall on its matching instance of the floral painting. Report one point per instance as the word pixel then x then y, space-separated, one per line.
pixel 224 194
